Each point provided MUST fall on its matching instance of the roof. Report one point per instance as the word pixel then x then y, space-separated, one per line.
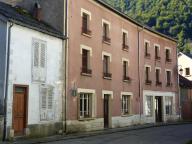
pixel 22 17
pixel 186 54
pixel 184 82
pixel 133 21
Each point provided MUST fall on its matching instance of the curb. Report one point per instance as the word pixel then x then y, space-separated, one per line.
pixel 95 133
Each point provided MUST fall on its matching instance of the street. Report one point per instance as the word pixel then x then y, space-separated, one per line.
pixel 175 134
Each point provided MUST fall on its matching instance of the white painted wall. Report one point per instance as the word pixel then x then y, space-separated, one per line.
pixel 21 71
pixel 185 62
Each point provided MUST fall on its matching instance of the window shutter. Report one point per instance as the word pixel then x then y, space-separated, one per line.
pixel 43 104
pixel 43 62
pixel 36 48
pixel 50 114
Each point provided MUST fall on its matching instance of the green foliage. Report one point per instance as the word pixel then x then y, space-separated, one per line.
pixel 171 17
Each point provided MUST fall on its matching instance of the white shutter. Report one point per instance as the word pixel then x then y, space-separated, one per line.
pixel 43 103
pixel 50 98
pixel 43 62
pixel 36 51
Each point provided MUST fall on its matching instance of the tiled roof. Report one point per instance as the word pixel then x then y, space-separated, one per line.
pixel 22 17
pixel 184 82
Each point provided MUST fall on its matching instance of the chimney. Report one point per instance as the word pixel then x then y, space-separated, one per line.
pixel 37 12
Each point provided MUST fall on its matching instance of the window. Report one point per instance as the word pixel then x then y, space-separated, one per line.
pixel 85 105
pixel 147 72
pixel 86 62
pixel 46 103
pixel 157 72
pixel 125 105
pixel 187 71
pixel 168 54
pixel 125 41
pixel 39 61
pixel 85 24
pixel 168 76
pixel 106 27
pixel 147 54
pixel 149 106
pixel 157 52
pixel 106 72
pixel 168 105
pixel 125 71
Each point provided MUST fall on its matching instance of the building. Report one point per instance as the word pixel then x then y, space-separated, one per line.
pixel 31 74
pixel 186 98
pixel 118 72
pixel 184 59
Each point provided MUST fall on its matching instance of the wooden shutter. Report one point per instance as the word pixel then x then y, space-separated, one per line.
pixel 43 62
pixel 36 51
pixel 43 103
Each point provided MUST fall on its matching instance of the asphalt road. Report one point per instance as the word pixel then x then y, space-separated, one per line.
pixel 177 134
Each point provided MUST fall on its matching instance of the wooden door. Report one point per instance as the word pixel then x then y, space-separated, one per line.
pixel 19 110
pixel 158 109
pixel 106 111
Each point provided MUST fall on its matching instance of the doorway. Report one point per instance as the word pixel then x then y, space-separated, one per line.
pixel 106 110
pixel 158 109
pixel 20 109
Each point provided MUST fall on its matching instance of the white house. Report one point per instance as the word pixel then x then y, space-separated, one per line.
pixel 185 65
pixel 31 74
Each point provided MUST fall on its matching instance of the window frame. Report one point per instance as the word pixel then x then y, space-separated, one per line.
pixel 157 53
pixel 169 103
pixel 147 49
pixel 151 106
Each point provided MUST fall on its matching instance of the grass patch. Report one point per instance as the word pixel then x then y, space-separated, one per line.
pixel 190 142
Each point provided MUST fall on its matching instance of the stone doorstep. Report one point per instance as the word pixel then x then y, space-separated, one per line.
pixel 94 133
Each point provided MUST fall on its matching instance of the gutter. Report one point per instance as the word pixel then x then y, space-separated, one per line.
pixel 139 74
pixel 6 82
pixel 66 64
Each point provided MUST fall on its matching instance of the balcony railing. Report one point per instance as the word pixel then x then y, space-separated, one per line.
pixel 106 39
pixel 86 31
pixel 169 84
pixel 157 57
pixel 85 70
pixel 158 83
pixel 125 47
pixel 168 60
pixel 107 75
pixel 148 82
pixel 147 55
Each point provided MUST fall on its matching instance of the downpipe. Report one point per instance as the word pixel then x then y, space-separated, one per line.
pixel 6 83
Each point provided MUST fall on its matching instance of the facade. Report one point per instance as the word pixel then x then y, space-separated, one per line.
pixel 118 72
pixel 32 59
pixel 123 74
pixel 184 59
pixel 186 98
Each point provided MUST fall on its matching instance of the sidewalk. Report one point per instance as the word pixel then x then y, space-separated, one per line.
pixel 93 133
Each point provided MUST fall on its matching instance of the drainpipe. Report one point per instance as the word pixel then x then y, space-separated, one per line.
pixel 139 75
pixel 6 82
pixel 66 63
pixel 178 87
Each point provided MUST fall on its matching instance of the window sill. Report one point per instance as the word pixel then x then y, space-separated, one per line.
pixel 188 76
pixel 86 119
pixel 127 81
pixel 86 74
pixel 124 49
pixel 127 115
pixel 107 78
pixel 108 43
pixel 87 35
